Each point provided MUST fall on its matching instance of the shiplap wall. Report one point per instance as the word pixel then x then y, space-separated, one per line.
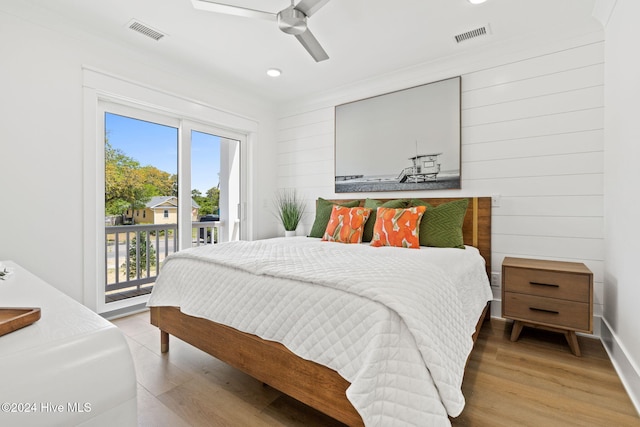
pixel 532 133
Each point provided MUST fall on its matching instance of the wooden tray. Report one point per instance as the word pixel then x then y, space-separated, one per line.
pixel 13 318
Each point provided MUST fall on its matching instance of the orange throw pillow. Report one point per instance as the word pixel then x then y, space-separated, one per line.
pixel 398 227
pixel 346 225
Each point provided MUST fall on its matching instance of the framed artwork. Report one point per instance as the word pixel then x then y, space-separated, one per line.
pixel 404 140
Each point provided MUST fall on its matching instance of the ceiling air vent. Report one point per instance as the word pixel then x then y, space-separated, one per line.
pixel 145 30
pixel 482 31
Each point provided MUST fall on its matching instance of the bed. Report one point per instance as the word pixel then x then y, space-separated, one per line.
pixel 384 350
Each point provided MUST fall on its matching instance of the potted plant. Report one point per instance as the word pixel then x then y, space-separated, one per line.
pixel 289 207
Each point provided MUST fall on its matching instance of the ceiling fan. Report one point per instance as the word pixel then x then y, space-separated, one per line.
pixel 292 20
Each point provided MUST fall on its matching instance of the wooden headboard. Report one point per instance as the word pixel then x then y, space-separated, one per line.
pixel 476 228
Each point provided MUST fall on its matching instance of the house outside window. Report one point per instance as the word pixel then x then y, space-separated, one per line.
pixel 166 213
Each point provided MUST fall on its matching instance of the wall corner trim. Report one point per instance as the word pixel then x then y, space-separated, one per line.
pixel 602 11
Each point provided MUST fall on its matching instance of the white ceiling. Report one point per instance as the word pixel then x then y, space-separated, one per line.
pixel 364 38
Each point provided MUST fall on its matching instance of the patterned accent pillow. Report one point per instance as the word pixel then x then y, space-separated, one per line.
pixel 398 227
pixel 373 204
pixel 323 213
pixel 346 224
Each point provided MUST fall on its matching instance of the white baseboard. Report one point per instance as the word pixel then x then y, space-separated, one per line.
pixel 629 375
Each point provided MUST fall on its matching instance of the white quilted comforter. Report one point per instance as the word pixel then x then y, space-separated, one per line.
pixel 396 323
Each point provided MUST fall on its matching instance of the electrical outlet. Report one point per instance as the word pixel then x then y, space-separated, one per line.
pixel 495 280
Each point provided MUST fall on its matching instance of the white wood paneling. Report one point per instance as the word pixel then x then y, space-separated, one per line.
pixel 532 132
pixel 310 155
pixel 544 105
pixel 536 66
pixel 535 146
pixel 306 118
pixel 304 144
pixel 578 249
pixel 549 226
pixel 563 185
pixel 562 81
pixel 541 125
pixel 313 129
pixel 573 206
pixel 319 167
pixel 555 165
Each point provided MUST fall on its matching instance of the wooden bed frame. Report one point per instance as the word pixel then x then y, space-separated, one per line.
pixel 272 363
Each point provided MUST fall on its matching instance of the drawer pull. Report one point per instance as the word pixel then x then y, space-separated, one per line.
pixel 551 285
pixel 544 310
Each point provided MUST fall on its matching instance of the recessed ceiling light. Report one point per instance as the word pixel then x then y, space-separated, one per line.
pixel 273 72
pixel 476 1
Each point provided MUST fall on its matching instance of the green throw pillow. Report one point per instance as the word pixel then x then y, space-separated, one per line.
pixel 323 214
pixel 367 234
pixel 441 226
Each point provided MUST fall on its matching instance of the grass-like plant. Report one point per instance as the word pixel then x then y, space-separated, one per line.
pixel 290 208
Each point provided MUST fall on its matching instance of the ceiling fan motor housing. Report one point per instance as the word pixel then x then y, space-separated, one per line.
pixel 292 21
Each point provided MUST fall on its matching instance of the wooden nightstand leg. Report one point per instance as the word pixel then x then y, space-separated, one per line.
pixel 515 332
pixel 572 339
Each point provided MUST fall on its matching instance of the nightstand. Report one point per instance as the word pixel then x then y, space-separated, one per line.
pixel 553 295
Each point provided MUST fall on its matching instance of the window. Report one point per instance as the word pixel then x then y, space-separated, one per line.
pixel 141 169
pixel 103 94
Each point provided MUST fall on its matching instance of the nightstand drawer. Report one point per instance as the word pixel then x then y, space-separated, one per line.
pixel 550 311
pixel 553 284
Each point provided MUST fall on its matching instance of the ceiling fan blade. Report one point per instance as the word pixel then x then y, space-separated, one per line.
pixel 228 9
pixel 312 45
pixel 309 7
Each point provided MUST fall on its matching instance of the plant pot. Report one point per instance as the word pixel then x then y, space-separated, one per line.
pixel 289 233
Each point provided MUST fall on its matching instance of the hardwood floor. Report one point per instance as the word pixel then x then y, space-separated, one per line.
pixel 537 381
pixel 533 382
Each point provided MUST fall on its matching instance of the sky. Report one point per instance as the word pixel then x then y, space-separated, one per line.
pixel 157 145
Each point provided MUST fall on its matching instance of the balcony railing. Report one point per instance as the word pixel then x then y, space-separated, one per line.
pixel 134 254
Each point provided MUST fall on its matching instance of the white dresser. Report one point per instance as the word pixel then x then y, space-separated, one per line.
pixel 71 367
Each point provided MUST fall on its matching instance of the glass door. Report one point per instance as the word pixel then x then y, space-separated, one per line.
pixel 141 202
pixel 169 184
pixel 215 186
